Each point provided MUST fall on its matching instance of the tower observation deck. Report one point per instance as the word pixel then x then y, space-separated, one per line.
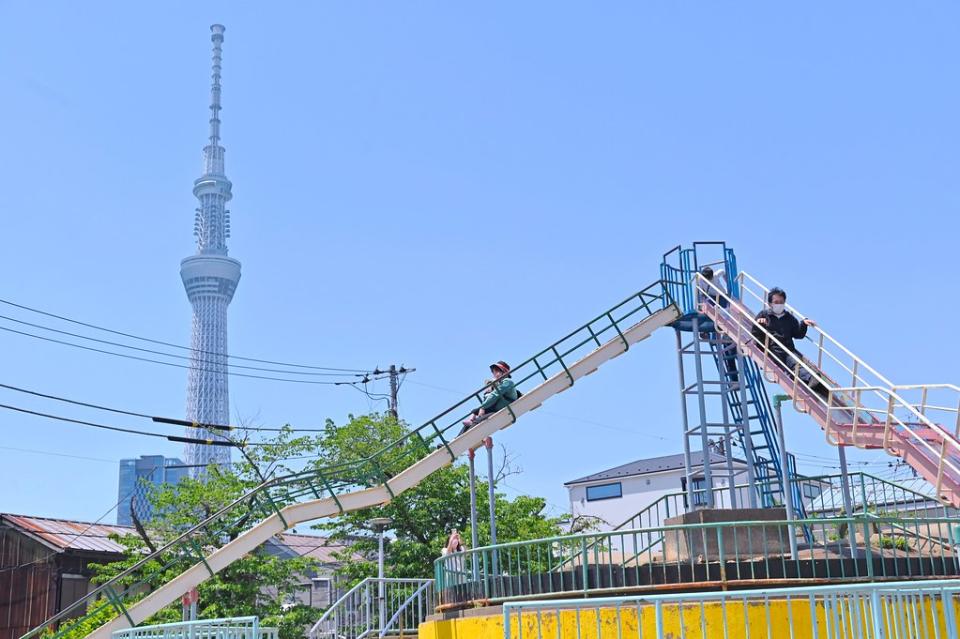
pixel 210 278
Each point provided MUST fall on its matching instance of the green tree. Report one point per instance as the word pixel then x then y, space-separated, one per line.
pixel 257 584
pixel 422 517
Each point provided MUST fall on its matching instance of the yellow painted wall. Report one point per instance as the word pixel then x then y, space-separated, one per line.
pixel 712 621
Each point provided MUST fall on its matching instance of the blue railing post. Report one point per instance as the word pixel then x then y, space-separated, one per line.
pixel 583 563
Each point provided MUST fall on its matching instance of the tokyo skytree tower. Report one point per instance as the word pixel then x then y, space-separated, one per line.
pixel 210 278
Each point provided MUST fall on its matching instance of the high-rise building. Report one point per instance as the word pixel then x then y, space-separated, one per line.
pixel 210 278
pixel 136 478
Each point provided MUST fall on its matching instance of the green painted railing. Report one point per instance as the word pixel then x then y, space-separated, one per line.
pixel 881 496
pixel 711 555
pixel 271 496
pixel 231 628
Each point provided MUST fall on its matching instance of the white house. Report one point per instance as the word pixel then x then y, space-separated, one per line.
pixel 617 494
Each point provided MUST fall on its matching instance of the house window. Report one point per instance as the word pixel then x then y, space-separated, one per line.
pixel 322 592
pixel 604 491
pixel 811 491
pixel 699 494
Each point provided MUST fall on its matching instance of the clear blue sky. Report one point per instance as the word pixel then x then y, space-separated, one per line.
pixel 445 186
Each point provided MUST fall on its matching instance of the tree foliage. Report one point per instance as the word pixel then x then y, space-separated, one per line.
pixel 262 584
pixel 423 517
pixel 258 584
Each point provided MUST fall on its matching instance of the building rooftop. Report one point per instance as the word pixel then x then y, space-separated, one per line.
pixel 651 465
pixel 320 548
pixel 66 534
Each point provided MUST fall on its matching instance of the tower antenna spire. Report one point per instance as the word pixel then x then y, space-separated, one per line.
pixel 213 153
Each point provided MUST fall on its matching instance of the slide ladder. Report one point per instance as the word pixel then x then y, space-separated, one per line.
pixel 749 404
pixel 283 502
pixel 871 412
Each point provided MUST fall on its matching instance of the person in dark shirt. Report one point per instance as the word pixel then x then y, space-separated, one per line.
pixel 782 325
pixel 502 392
pixel 707 294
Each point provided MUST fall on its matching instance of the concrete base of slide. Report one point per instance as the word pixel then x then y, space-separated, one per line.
pixel 707 544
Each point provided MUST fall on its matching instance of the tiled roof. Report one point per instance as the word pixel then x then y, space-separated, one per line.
pixel 651 465
pixel 66 534
pixel 319 548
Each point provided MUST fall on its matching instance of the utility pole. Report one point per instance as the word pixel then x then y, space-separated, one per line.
pixel 395 374
pixel 394 390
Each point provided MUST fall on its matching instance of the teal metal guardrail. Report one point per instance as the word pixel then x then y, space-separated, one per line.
pixel 822 497
pixel 729 554
pixel 229 628
pixel 899 610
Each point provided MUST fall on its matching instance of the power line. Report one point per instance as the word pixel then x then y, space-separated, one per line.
pixel 183 366
pixel 54 454
pixel 157 419
pixel 172 345
pixel 80 422
pixel 165 354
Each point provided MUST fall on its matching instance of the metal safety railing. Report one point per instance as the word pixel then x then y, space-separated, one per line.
pixel 914 406
pixel 725 554
pixel 867 413
pixel 900 610
pixel 938 402
pixel 377 608
pixel 229 628
pixel 191 547
pixel 823 496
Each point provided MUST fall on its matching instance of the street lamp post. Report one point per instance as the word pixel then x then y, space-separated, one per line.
pixel 380 524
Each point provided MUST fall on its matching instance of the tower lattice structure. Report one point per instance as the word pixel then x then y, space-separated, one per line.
pixel 210 278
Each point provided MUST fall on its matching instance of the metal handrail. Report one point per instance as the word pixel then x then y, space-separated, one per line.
pixel 369 618
pixel 745 275
pixel 915 609
pixel 853 393
pixel 336 605
pixel 227 628
pixel 886 385
pixel 416 596
pixel 901 494
pixel 604 560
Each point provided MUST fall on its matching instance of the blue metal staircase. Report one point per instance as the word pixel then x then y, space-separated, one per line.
pixel 751 405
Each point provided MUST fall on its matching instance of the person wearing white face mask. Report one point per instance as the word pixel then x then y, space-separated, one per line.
pixel 783 328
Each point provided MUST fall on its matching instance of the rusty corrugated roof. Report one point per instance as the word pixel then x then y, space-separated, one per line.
pixel 66 534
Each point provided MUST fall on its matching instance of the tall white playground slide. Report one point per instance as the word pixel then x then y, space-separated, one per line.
pixel 868 412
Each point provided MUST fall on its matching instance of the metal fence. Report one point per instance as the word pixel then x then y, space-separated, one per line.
pixel 824 496
pixel 866 547
pixel 911 609
pixel 377 608
pixel 231 628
